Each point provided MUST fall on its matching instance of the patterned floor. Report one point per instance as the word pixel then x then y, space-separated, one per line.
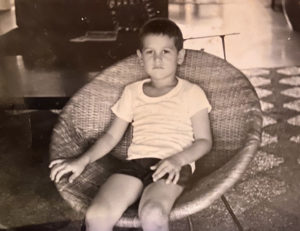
pixel 269 184
pixel 279 94
pixel 267 197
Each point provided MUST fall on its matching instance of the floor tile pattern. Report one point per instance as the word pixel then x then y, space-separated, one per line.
pixel 292 92
pixel 295 121
pixel 295 139
pixel 267 139
pixel 267 120
pixel 266 106
pixel 256 72
pixel 293 81
pixel 294 105
pixel 289 71
pixel 262 92
pixel 266 178
pixel 259 81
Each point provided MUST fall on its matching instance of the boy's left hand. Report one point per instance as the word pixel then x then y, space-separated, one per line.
pixel 168 166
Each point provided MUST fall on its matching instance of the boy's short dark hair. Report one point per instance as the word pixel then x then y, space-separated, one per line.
pixel 161 26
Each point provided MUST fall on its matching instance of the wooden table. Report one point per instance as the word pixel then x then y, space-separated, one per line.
pixel 40 71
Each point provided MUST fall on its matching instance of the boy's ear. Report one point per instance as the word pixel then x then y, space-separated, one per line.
pixel 181 55
pixel 139 54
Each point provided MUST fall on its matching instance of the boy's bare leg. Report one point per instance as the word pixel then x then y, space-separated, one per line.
pixel 156 203
pixel 113 198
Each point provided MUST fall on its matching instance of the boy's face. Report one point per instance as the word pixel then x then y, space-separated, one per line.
pixel 159 56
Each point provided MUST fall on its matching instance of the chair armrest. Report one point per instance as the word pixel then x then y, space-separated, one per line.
pixel 66 141
pixel 205 191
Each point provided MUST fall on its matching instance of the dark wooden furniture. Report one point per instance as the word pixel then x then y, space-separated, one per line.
pixel 41 67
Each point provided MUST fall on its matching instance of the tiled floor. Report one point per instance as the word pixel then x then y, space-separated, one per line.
pixel 271 176
pixel 268 196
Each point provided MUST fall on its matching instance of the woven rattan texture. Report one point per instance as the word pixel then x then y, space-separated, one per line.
pixel 235 121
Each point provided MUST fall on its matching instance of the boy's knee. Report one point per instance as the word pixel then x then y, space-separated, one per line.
pixel 95 213
pixel 153 216
pixel 103 215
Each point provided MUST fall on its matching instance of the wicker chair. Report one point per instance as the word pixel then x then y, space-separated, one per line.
pixel 235 120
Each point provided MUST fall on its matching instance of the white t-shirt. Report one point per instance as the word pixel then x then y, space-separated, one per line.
pixel 161 125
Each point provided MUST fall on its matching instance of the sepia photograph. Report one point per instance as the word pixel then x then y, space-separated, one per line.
pixel 149 115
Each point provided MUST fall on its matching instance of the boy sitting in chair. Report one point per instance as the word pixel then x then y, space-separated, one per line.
pixel 171 130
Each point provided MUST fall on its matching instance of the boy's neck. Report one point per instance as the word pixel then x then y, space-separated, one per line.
pixel 162 83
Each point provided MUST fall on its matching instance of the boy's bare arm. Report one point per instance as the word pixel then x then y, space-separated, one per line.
pixel 108 141
pixel 201 146
pixel 102 146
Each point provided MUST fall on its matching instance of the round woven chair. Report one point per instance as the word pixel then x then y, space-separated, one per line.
pixel 236 121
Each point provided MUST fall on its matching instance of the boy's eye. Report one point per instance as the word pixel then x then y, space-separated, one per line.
pixel 148 52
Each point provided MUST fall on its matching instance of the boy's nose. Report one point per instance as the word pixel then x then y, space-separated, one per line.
pixel 157 58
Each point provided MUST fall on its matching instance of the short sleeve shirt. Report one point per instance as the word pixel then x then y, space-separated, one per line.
pixel 161 125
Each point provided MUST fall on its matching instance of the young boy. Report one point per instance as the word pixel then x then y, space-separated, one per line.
pixel 171 130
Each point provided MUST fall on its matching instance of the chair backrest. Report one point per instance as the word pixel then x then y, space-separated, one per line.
pixel 228 90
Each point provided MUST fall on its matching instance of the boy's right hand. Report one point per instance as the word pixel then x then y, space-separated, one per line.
pixel 60 167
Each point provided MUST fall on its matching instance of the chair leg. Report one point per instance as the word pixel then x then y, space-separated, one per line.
pixel 234 218
pixel 190 223
pixel 223 46
pixel 83 227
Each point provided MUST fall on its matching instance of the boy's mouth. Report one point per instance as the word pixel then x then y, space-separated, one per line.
pixel 157 67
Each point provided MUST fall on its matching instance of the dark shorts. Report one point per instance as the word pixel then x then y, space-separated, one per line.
pixel 140 168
